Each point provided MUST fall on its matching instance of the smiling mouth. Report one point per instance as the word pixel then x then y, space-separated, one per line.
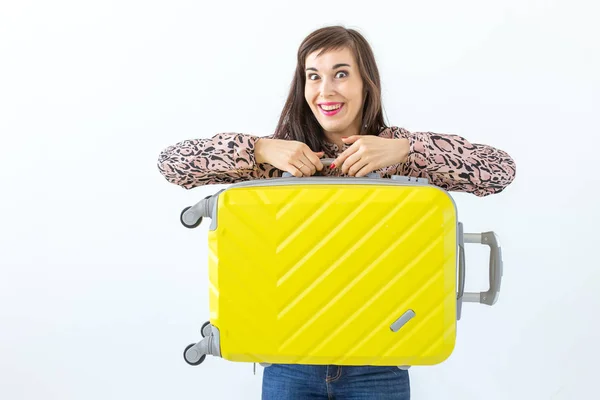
pixel 330 109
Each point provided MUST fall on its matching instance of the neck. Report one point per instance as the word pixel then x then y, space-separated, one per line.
pixel 335 137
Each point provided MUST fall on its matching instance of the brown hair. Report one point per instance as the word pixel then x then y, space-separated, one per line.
pixel 297 121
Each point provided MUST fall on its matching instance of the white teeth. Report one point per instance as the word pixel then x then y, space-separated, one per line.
pixel 330 108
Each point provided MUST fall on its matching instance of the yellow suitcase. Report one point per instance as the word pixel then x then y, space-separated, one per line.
pixel 341 271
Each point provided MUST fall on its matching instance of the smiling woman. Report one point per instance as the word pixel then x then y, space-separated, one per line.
pixel 334 109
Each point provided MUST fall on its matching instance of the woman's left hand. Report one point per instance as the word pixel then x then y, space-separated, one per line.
pixel 369 153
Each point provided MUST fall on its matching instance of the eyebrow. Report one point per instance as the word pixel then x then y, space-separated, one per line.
pixel 336 66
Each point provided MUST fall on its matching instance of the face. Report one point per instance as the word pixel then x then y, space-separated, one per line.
pixel 334 92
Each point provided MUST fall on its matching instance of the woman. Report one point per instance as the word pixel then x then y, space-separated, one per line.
pixel 334 110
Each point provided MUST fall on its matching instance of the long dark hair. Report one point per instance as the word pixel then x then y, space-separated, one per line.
pixel 297 121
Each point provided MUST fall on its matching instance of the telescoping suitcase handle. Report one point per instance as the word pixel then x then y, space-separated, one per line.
pixel 326 163
pixel 490 296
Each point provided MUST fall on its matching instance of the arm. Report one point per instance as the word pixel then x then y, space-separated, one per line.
pixel 224 158
pixel 453 163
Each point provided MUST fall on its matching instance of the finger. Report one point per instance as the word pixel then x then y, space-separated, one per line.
pixel 315 159
pixel 364 171
pixel 301 166
pixel 341 159
pixel 292 169
pixel 351 139
pixel 357 166
pixel 349 163
pixel 307 166
pixel 310 160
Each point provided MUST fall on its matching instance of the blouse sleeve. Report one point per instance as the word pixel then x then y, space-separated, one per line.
pixel 455 164
pixel 222 159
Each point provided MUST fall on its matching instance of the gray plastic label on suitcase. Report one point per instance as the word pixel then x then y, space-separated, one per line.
pixel 410 179
pixel 400 322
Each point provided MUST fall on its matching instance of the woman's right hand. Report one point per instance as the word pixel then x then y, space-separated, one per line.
pixel 288 155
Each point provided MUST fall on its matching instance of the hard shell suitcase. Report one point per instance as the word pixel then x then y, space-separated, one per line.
pixel 330 270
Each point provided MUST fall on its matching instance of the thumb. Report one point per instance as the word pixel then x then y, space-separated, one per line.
pixel 350 139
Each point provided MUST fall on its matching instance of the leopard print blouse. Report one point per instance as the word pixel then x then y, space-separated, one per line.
pixel 447 161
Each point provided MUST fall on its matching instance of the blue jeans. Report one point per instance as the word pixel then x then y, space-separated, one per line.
pixel 299 382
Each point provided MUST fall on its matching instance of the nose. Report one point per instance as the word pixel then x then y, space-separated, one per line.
pixel 326 88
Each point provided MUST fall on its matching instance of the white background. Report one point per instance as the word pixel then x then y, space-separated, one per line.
pixel 101 288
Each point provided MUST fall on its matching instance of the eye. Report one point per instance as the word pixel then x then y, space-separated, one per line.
pixel 343 74
pixel 313 77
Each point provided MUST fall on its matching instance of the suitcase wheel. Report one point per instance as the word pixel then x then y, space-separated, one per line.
pixel 193 355
pixel 194 225
pixel 206 329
